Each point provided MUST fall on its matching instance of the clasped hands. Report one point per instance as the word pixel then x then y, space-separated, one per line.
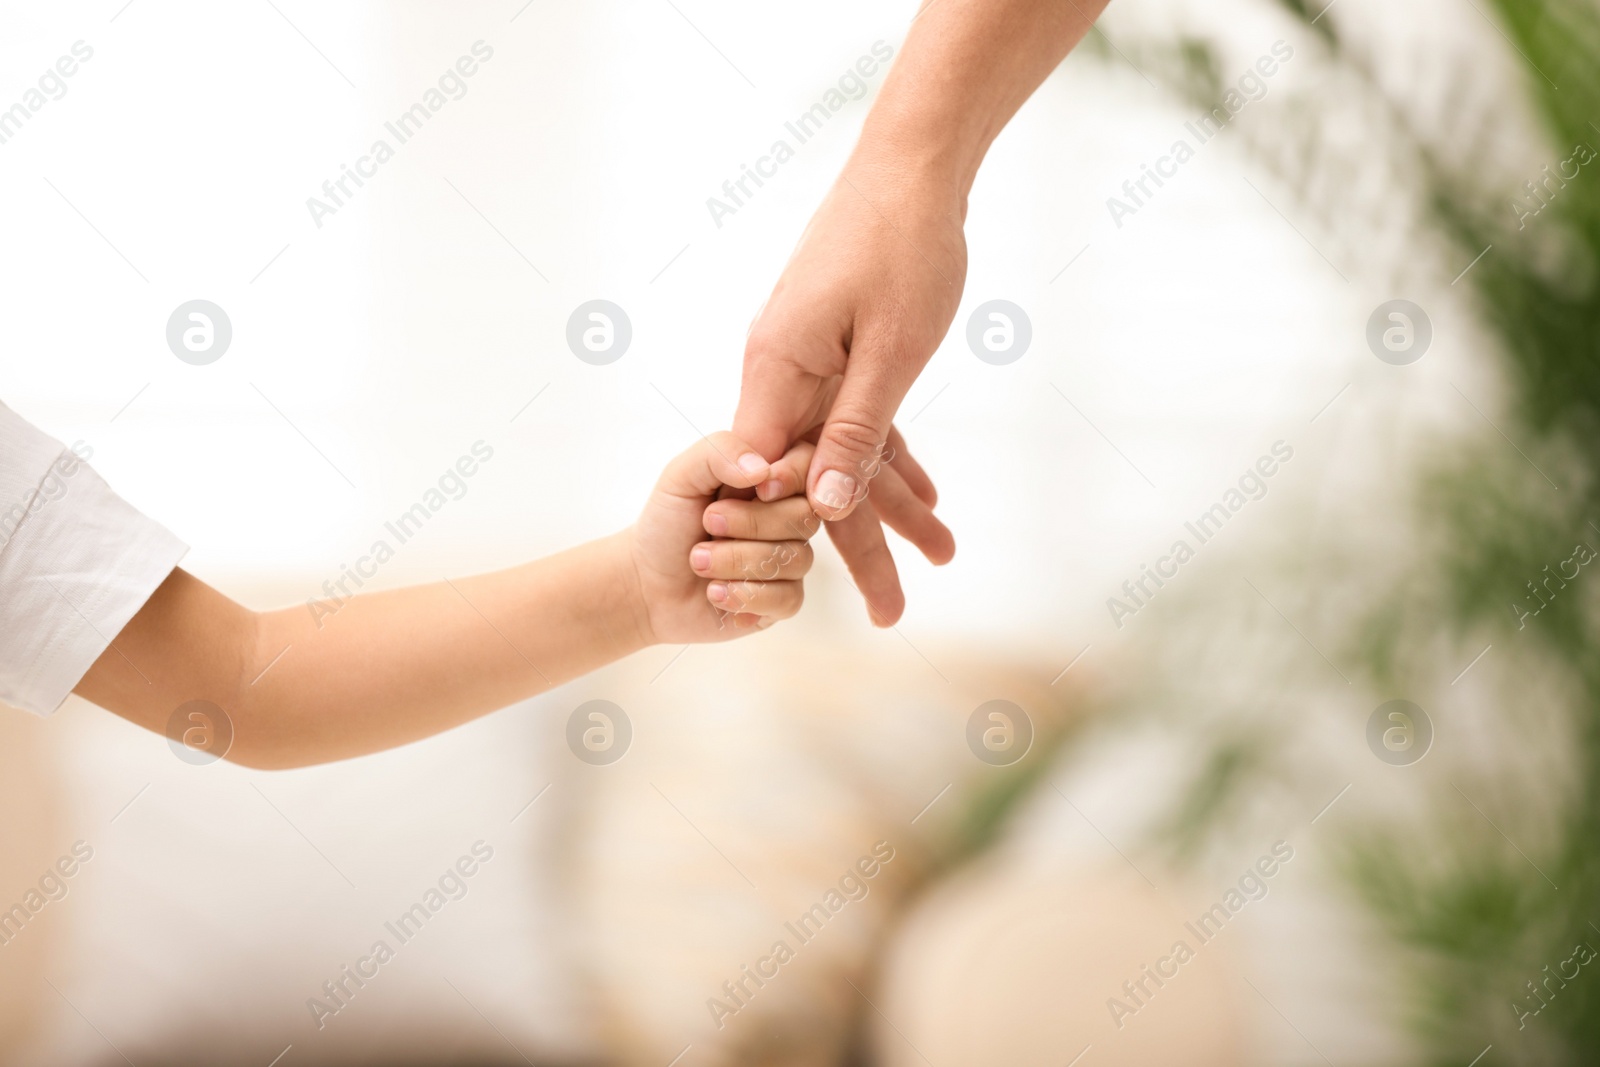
pixel 864 300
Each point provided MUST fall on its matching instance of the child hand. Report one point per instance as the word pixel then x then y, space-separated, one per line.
pixel 698 590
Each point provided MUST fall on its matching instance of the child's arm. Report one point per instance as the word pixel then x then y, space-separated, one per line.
pixel 392 667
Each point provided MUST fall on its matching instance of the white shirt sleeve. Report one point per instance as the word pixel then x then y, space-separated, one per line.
pixel 76 563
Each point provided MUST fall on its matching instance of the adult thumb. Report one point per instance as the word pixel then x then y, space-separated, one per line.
pixel 850 450
pixel 771 406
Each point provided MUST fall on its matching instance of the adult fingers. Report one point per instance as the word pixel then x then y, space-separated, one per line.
pixel 859 539
pixel 916 478
pixel 774 401
pixel 850 448
pixel 909 516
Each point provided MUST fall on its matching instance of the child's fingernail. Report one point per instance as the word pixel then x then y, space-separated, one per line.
pixel 835 489
pixel 752 464
pixel 700 558
pixel 765 621
pixel 718 591
pixel 717 524
pixel 768 490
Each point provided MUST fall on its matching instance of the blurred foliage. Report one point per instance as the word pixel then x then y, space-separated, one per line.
pixel 1217 792
pixel 1479 926
pixel 1469 918
pixel 998 795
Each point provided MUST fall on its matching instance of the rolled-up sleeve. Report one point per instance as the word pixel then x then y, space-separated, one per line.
pixel 76 563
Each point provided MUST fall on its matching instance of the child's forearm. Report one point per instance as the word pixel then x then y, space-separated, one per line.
pixel 396 666
pixel 303 686
pixel 386 669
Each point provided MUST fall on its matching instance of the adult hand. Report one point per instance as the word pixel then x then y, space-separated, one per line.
pixel 863 302
pixel 872 287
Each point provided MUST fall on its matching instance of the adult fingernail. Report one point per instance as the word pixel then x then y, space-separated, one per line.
pixel 752 464
pixel 718 591
pixel 835 489
pixel 717 524
pixel 700 558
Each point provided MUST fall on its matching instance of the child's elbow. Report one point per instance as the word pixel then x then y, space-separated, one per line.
pixel 264 738
pixel 272 744
pixel 266 758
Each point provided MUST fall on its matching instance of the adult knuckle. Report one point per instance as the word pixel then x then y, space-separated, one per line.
pixel 853 434
pixel 764 341
pixel 771 344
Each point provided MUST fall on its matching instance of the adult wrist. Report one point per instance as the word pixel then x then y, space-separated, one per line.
pixel 924 147
pixel 893 171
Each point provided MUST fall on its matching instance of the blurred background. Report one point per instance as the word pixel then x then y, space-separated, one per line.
pixel 1357 321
